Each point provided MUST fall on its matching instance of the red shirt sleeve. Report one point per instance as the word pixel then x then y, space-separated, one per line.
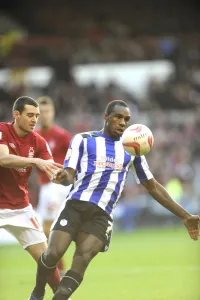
pixel 43 150
pixel 3 135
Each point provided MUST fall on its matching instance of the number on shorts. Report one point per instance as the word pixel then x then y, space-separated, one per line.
pixel 35 222
pixel 109 229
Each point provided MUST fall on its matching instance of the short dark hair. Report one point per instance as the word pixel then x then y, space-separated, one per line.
pixel 110 107
pixel 20 103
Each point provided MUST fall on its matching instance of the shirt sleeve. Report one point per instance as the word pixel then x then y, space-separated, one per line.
pixel 140 169
pixel 74 153
pixel 43 150
pixel 3 135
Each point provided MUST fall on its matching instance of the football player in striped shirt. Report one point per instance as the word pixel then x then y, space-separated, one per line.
pixel 96 165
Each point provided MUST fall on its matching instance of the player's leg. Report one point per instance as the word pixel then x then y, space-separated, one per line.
pixel 51 197
pixel 87 247
pixel 94 236
pixel 36 251
pixel 35 243
pixel 46 227
pixel 61 236
pixel 59 242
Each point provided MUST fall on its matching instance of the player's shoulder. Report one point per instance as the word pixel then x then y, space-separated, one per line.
pixel 89 134
pixel 4 126
pixel 37 136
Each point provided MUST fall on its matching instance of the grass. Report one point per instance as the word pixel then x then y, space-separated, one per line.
pixel 154 264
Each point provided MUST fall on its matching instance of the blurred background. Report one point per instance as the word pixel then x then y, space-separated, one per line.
pixel 86 54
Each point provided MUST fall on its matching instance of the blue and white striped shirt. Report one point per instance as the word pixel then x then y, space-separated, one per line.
pixel 102 165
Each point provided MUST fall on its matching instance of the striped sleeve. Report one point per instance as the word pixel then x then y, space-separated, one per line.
pixel 74 153
pixel 140 169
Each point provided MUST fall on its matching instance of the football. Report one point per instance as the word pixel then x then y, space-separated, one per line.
pixel 137 140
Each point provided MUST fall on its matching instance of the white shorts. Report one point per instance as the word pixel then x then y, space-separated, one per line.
pixel 23 225
pixel 51 197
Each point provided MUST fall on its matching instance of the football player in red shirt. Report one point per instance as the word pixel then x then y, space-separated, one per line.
pixel 51 195
pixel 21 149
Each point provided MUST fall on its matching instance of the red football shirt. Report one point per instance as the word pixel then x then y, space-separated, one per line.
pixel 14 182
pixel 58 140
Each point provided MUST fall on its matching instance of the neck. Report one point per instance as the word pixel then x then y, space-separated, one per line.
pixel 18 131
pixel 104 131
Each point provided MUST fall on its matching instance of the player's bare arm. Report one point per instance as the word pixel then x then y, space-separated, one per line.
pixel 158 192
pixel 13 161
pixel 65 176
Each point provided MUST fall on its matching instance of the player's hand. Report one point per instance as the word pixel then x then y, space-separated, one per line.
pixel 48 166
pixel 61 176
pixel 192 224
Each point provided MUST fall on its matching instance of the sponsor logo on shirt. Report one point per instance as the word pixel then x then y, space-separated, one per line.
pixel 109 162
pixel 12 145
pixel 31 152
pixel 0 135
pixel 21 170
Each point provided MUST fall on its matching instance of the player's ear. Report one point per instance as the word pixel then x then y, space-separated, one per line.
pixel 106 116
pixel 16 114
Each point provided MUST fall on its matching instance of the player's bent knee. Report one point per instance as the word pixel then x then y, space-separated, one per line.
pixel 52 256
pixel 85 257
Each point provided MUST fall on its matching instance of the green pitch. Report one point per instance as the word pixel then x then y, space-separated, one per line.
pixel 161 264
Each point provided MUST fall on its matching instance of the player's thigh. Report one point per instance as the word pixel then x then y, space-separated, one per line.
pixel 87 243
pixel 58 243
pixel 101 227
pixel 37 250
pixel 69 219
pixel 64 229
pixel 47 227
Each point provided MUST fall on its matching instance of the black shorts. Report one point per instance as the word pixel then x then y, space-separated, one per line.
pixel 83 216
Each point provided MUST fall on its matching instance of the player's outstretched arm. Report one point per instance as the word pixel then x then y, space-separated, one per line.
pixel 159 193
pixel 13 161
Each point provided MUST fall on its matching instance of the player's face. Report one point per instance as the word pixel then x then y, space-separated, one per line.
pixel 46 115
pixel 27 120
pixel 117 121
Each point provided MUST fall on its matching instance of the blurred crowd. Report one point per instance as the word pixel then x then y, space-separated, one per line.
pixel 174 160
pixel 170 108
